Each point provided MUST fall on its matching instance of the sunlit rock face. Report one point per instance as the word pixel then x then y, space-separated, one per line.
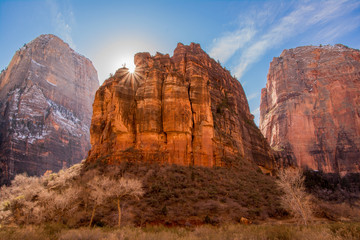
pixel 46 95
pixel 310 108
pixel 185 109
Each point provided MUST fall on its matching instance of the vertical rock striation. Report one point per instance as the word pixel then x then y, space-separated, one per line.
pixel 46 94
pixel 185 109
pixel 310 107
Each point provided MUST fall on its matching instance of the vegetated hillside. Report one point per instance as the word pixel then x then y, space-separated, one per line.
pixel 179 195
pixel 172 195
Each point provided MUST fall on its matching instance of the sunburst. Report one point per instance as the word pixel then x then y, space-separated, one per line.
pixel 132 76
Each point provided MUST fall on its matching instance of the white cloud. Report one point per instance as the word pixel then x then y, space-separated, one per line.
pixel 227 45
pixel 256 111
pixel 332 32
pixel 252 96
pixel 224 47
pixel 305 15
pixel 256 114
pixel 62 22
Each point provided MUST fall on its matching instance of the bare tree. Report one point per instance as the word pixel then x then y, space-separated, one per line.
pixel 55 204
pixel 104 188
pixel 119 189
pixel 295 198
pixel 97 193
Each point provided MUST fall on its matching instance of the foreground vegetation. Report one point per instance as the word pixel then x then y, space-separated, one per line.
pixel 349 231
pixel 139 194
pixel 147 201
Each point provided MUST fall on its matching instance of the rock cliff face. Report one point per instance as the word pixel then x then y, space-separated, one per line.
pixel 185 109
pixel 45 108
pixel 310 108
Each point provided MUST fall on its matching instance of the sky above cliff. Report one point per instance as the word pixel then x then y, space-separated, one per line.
pixel 243 35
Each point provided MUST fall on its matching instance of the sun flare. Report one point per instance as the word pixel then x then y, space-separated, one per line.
pixel 130 75
pixel 131 68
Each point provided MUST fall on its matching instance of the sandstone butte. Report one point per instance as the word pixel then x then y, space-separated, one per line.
pixel 46 97
pixel 185 110
pixel 310 108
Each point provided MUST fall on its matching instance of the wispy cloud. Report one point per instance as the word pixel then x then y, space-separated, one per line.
pixel 253 96
pixel 256 111
pixel 256 114
pixel 333 32
pixel 62 21
pixel 303 16
pixel 227 45
pixel 247 26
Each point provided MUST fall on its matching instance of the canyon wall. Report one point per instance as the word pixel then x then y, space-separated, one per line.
pixel 46 96
pixel 310 108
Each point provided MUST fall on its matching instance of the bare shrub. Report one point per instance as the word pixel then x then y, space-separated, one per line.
pixel 18 200
pixel 295 199
pixel 39 199
pixel 56 205
pixel 64 178
pixel 63 197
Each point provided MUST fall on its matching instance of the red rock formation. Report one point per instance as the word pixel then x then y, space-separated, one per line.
pixel 310 107
pixel 45 108
pixel 185 109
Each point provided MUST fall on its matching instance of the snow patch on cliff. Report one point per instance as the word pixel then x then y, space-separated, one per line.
pixel 67 120
pixel 29 112
pixel 52 84
pixel 30 137
pixel 36 63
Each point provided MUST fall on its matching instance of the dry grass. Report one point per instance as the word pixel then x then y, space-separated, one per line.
pixel 334 231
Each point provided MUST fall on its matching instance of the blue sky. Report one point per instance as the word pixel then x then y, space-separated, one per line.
pixel 243 35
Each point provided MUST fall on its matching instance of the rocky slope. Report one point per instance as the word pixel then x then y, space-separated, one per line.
pixel 310 107
pixel 46 95
pixel 185 109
